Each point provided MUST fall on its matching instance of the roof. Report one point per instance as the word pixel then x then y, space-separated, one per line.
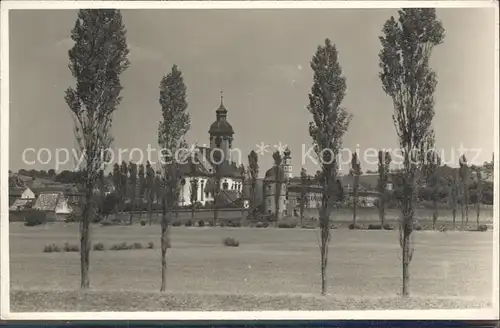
pixel 229 198
pixel 47 201
pixel 20 204
pixel 196 167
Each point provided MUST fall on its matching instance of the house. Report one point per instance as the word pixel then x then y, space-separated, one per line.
pixel 54 204
pixel 20 205
pixel 28 194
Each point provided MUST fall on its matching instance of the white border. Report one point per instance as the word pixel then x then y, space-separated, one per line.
pixel 488 314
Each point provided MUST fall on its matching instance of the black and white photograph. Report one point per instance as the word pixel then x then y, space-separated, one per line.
pixel 237 159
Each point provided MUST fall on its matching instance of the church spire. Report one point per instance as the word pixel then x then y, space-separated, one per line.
pixel 221 110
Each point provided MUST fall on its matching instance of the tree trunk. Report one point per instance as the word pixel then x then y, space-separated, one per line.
pixel 150 209
pixel 192 212
pixel 462 216
pixel 406 263
pixel 354 210
pixel 454 213
pixel 381 211
pixel 478 209
pixel 325 238
pixel 85 239
pixel 434 214
pixel 132 211
pixel 164 245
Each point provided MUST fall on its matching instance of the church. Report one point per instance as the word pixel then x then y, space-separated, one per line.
pixel 200 166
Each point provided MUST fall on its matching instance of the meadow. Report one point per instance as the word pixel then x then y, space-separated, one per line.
pixel 272 269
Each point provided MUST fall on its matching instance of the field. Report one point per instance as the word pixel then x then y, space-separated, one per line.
pixel 272 269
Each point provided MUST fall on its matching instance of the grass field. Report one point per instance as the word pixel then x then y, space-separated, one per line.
pixel 272 269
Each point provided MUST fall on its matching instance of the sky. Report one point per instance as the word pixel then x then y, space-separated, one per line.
pixel 261 59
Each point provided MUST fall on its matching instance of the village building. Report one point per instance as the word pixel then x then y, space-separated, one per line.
pixel 54 204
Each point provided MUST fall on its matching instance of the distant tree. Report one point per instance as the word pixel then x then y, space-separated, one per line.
pixel 384 162
pixel 172 130
pixel 117 182
pixel 150 176
pixel 243 174
pixel 157 188
pixel 330 122
pixel 101 184
pixel 124 185
pixel 97 58
pixel 51 173
pixel 253 172
pixel 478 186
pixel 304 184
pixel 432 162
pixel 218 157
pixel 132 169
pixel 464 189
pixel 142 188
pixel 408 79
pixel 278 182
pixel 453 196
pixel 356 173
pixel 193 184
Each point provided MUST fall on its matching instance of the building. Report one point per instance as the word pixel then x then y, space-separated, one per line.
pixel 204 164
pixel 55 204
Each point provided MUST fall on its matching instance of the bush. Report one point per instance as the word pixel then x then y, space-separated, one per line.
pixel 355 226
pixel 266 224
pixel 387 226
pixel 259 225
pixel 417 227
pixel 143 223
pixel 231 242
pixel 35 218
pixel 151 245
pixel 201 223
pixel 119 247
pixel 99 247
pixel 374 227
pixel 135 246
pixel 177 223
pixel 188 223
pixel 51 248
pixel 482 227
pixel 71 248
pixel 210 224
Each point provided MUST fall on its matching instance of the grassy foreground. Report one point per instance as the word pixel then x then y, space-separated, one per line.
pixel 272 269
pixel 71 301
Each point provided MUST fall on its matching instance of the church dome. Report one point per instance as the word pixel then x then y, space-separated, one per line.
pixel 221 126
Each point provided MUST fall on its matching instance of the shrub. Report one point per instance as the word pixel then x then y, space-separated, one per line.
pixel 387 226
pixel 482 227
pixel 443 228
pixel 135 246
pixel 222 224
pixel 151 245
pixel 201 223
pixel 374 227
pixel 99 247
pixel 176 223
pixel 417 227
pixel 355 226
pixel 210 224
pixel 35 218
pixel 287 225
pixel 51 248
pixel 71 248
pixel 265 224
pixel 119 247
pixel 143 223
pixel 259 225
pixel 188 223
pixel 231 242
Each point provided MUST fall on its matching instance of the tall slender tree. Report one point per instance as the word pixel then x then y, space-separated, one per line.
pixel 253 172
pixel 102 190
pixel 330 122
pixel 408 79
pixel 97 58
pixel 278 184
pixel 384 162
pixel 479 193
pixel 356 173
pixel 218 159
pixel 464 190
pixel 193 194
pixel 132 169
pixel 142 188
pixel 172 130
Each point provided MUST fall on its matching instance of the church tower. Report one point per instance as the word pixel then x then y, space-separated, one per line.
pixel 287 164
pixel 221 132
